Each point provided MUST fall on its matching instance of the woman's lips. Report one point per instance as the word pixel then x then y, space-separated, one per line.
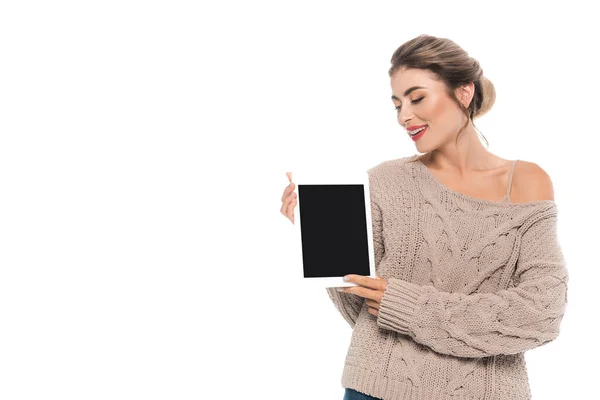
pixel 418 135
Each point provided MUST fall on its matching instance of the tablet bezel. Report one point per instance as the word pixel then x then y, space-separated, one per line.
pixel 352 177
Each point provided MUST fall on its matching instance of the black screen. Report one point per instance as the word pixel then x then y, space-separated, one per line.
pixel 333 225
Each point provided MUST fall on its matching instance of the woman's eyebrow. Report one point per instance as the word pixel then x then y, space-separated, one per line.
pixel 408 91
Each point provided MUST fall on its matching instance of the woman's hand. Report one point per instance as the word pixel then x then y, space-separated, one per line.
pixel 288 199
pixel 371 289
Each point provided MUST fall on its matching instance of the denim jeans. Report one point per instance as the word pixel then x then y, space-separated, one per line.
pixel 351 394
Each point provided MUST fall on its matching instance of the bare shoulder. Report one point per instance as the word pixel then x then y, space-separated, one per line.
pixel 531 183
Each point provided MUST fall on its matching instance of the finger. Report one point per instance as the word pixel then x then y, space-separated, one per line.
pixel 372 303
pixel 290 210
pixel 365 292
pixel 288 190
pixel 289 175
pixel 367 281
pixel 287 207
pixel 373 311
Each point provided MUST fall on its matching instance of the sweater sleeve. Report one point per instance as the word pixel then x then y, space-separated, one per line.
pixel 508 321
pixel 349 304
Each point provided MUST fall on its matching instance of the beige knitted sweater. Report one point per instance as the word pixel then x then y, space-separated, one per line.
pixel 472 285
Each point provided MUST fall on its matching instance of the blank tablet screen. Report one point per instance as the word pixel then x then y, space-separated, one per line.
pixel 333 227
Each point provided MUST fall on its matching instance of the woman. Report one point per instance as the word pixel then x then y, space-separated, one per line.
pixel 470 273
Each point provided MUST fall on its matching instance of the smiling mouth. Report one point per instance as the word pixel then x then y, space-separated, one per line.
pixel 417 131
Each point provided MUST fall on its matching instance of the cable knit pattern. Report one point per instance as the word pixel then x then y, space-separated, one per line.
pixel 472 285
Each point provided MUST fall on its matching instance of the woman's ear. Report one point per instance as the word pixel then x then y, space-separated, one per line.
pixel 466 93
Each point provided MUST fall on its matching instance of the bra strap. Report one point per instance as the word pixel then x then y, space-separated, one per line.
pixel 510 176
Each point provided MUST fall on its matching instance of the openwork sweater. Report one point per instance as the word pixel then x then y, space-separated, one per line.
pixel 472 285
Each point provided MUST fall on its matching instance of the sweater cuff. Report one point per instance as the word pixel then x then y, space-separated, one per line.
pixel 399 304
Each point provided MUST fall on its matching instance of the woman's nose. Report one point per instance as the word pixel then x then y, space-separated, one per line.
pixel 403 120
pixel 403 117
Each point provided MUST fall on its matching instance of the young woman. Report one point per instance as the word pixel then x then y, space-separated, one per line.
pixel 470 272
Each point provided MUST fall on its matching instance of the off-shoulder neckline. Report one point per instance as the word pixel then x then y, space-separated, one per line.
pixel 442 186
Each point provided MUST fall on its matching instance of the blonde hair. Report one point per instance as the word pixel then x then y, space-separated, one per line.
pixel 451 65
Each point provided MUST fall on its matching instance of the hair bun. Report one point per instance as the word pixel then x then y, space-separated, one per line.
pixel 488 92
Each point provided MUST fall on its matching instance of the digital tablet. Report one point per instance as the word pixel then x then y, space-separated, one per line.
pixel 334 224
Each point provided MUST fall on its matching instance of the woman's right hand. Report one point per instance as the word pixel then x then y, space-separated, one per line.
pixel 289 199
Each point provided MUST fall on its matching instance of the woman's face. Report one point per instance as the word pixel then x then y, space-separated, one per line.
pixel 428 105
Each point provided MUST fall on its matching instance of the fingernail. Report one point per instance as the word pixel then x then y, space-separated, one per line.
pixel 346 278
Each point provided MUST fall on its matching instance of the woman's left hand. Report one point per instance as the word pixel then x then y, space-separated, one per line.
pixel 371 289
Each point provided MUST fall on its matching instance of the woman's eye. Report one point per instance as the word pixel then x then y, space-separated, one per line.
pixel 413 102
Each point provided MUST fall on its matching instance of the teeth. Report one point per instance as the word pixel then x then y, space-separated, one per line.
pixel 412 133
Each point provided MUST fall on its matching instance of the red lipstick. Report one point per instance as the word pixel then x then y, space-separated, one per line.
pixel 418 135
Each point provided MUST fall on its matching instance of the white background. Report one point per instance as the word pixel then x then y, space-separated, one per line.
pixel 143 152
